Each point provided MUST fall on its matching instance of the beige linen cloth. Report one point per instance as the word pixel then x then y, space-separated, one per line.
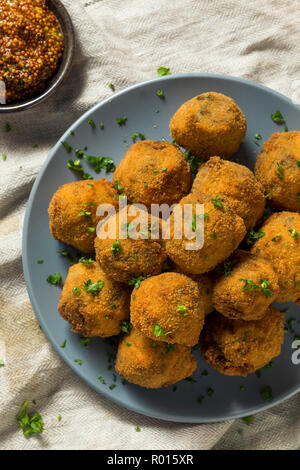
pixel 123 42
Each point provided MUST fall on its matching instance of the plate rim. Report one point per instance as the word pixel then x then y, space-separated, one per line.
pixel 179 419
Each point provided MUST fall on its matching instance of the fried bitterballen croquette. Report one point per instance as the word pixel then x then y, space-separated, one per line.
pixel 223 232
pixel 151 364
pixel 93 304
pixel 237 347
pixel 153 172
pixel 72 211
pixel 247 291
pixel 237 183
pixel 280 245
pixel 278 170
pixel 205 284
pixel 209 124
pixel 124 258
pixel 175 312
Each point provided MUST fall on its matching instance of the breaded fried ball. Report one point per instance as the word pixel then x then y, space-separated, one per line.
pixel 93 304
pixel 209 124
pixel 72 211
pixel 205 285
pixel 237 183
pixel 223 232
pixel 237 347
pixel 124 259
pixel 151 364
pixel 153 172
pixel 168 308
pixel 249 289
pixel 278 170
pixel 281 246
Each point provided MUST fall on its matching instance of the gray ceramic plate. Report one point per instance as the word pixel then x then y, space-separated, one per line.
pixel 139 103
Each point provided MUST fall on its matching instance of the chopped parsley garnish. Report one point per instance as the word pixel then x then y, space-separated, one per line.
pixel 293 233
pixel 183 309
pixel 112 86
pixel 116 247
pixel 76 290
pixel 93 288
pixel 248 420
pixel 190 379
pixel 160 93
pixel 112 386
pixel 267 393
pixel 1 363
pixel 279 171
pixel 4 157
pixel 63 344
pixel 101 163
pixel 67 255
pixel 101 125
pixel 210 392
pixel 214 236
pixel 137 135
pixel 118 186
pixel 113 307
pixel 40 261
pixel 161 71
pixel 7 127
pixel 200 399
pixel 159 332
pixel 91 229
pixel 59 418
pixel 298 164
pixel 277 237
pixel 171 347
pixel 126 326
pixel 128 344
pixel 76 166
pixel 85 261
pixel 257 137
pixel 226 267
pixel 78 361
pixel 194 161
pixel 250 285
pixel 217 202
pixel 85 341
pixel 253 236
pixel 85 213
pixel 29 425
pixel 100 378
pixel 122 120
pixel 79 153
pixel 137 429
pixel 92 123
pixel 67 146
pixel 136 281
pixel 279 119
pixel 54 279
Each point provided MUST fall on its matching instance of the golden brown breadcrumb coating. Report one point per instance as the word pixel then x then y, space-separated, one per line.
pixel 72 211
pixel 153 172
pixel 247 292
pixel 237 347
pixel 209 124
pixel 168 308
pixel 125 259
pixel 91 307
pixel 281 246
pixel 278 170
pixel 151 364
pixel 223 232
pixel 205 284
pixel 237 183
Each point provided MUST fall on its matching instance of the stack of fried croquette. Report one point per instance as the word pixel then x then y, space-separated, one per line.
pixel 223 289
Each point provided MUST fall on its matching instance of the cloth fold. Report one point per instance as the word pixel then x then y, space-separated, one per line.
pixel 124 43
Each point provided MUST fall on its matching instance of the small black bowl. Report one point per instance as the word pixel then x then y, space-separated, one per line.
pixel 64 68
